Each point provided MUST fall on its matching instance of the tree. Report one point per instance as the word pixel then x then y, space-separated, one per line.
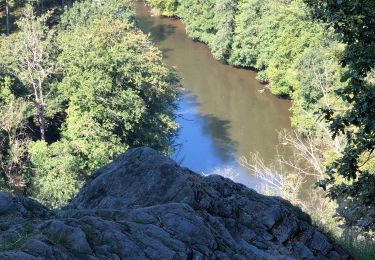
pixel 8 4
pixel 246 37
pixel 56 168
pixel 128 93
pixel 14 140
pixel 314 76
pixel 165 7
pixel 354 21
pixel 199 19
pixel 100 84
pixel 28 55
pixel 84 13
pixel 225 11
pixel 7 14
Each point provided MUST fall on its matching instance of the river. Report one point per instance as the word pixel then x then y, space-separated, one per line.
pixel 224 111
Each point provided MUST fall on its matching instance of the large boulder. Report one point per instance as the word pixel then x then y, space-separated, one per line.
pixel 145 206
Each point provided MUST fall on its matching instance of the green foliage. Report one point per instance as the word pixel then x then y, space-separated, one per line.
pixel 246 39
pixel 165 7
pixel 296 32
pixel 224 22
pixel 117 95
pixel 354 21
pixel 360 249
pixel 128 94
pixel 5 90
pixel 211 22
pixel 32 43
pixel 56 178
pixel 100 112
pixel 269 23
pixel 314 77
pixel 29 57
pixel 102 87
pixel 13 143
pixel 213 26
pixel 199 19
pixel 84 13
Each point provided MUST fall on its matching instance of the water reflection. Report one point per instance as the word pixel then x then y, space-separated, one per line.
pixel 217 129
pixel 204 141
pixel 224 112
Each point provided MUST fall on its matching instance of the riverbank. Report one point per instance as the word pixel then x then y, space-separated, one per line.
pixel 223 111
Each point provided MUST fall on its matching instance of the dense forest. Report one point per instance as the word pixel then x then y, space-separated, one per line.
pixel 80 83
pixel 77 88
pixel 321 55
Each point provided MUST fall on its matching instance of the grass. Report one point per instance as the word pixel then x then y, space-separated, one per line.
pixel 16 242
pixel 4 225
pixel 361 250
pixel 58 239
pixel 90 234
pixel 13 243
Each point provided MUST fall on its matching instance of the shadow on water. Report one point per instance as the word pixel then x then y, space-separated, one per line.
pixel 165 52
pixel 159 32
pixel 203 140
pixel 218 130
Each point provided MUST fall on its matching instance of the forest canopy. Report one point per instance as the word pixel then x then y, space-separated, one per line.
pixel 75 93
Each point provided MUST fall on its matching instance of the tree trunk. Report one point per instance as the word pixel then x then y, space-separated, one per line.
pixel 42 121
pixel 7 16
pixel 40 4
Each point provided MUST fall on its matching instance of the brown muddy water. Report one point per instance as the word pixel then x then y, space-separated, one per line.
pixel 225 112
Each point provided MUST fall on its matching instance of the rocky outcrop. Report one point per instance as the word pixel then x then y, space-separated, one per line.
pixel 145 206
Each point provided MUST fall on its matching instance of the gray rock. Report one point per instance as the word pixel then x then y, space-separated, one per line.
pixel 320 243
pixel 302 251
pixel 17 256
pixel 38 248
pixel 6 202
pixel 145 206
pixel 73 238
pixel 271 216
pixel 333 255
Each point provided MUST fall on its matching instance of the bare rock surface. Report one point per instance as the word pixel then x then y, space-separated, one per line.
pixel 144 206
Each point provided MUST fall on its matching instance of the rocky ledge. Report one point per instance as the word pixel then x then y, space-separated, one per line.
pixel 144 206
